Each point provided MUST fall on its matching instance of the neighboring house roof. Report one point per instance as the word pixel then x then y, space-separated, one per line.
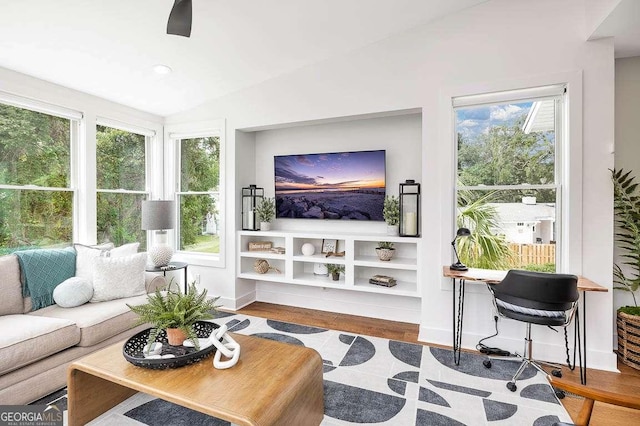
pixel 541 117
pixel 520 212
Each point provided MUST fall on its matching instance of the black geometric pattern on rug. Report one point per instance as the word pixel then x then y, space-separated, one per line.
pixel 163 413
pixel 546 421
pixel 279 338
pixel 408 376
pixel 359 405
pixel 462 389
pixel 540 392
pixel 424 417
pixel 496 410
pixel 427 395
pixel 372 380
pixel 472 364
pixel 361 351
pixel 294 328
pixel 406 352
pixel 398 386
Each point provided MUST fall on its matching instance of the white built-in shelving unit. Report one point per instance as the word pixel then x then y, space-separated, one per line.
pixel 359 259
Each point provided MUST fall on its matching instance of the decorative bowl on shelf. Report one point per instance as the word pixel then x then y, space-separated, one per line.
pixel 182 355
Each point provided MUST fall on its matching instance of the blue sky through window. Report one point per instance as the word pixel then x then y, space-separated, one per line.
pixel 473 121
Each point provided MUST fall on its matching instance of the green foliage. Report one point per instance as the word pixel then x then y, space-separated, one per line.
pixel 175 310
pixel 626 206
pixel 34 150
pixel 385 245
pixel 266 209
pixel 199 172
pixel 505 155
pixel 391 210
pixel 334 268
pixel 483 248
pixel 630 310
pixel 545 267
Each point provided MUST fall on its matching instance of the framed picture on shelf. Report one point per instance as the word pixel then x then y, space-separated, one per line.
pixel 329 246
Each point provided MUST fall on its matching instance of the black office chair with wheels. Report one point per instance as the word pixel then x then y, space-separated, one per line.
pixel 535 298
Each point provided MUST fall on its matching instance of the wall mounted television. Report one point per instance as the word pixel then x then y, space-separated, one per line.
pixel 336 185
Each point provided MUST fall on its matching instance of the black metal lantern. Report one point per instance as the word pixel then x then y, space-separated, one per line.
pixel 251 197
pixel 410 209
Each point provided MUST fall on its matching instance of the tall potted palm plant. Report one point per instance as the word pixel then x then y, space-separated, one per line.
pixel 626 277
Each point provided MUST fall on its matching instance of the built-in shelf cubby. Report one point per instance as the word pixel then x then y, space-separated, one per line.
pixel 357 254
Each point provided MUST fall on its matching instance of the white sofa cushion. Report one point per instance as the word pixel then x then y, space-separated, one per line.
pixel 118 277
pixel 25 339
pixel 73 292
pixel 97 321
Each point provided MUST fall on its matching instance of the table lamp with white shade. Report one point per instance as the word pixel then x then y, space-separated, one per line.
pixel 159 215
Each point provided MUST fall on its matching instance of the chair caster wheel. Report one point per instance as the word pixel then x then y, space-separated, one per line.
pixel 556 373
pixel 486 363
pixel 560 393
pixel 512 386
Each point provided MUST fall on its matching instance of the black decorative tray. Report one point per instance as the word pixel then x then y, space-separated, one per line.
pixel 132 349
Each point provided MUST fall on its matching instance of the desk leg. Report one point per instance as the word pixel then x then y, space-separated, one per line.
pixel 457 320
pixel 583 362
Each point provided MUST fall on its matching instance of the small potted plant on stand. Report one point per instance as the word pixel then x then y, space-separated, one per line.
pixel 391 214
pixel 267 211
pixel 626 205
pixel 176 313
pixel 335 270
pixel 385 250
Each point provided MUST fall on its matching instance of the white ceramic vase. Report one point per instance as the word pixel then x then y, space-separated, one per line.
pixel 392 230
pixel 265 226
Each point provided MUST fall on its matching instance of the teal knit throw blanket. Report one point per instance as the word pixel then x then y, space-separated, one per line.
pixel 42 270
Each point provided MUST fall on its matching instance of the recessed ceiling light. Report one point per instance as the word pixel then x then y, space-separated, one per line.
pixel 161 69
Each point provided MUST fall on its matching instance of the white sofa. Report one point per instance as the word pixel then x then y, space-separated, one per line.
pixel 36 347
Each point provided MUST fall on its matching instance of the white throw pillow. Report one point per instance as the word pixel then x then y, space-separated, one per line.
pixel 85 256
pixel 118 277
pixel 124 250
pixel 72 292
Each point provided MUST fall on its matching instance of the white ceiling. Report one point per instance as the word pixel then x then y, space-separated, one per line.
pixel 623 24
pixel 108 47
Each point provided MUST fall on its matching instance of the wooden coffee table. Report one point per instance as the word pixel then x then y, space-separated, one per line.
pixel 272 383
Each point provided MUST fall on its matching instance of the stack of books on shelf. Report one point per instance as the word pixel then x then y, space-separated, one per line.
pixel 382 280
pixel 278 250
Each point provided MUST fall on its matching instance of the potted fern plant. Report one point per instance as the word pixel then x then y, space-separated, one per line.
pixel 175 312
pixel 266 210
pixel 391 213
pixel 335 270
pixel 626 206
pixel 385 250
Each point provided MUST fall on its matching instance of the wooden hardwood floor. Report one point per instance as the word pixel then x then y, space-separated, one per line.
pixel 627 381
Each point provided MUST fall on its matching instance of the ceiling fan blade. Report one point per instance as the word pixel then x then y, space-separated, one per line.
pixel 180 19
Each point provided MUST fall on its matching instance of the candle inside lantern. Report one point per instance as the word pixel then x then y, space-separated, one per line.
pixel 410 224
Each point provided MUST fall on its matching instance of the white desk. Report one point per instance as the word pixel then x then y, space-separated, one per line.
pixel 495 277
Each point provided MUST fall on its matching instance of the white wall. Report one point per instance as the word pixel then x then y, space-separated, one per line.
pixel 498 45
pixel 627 148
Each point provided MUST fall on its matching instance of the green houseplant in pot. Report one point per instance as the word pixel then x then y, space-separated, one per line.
pixel 391 213
pixel 266 210
pixel 335 270
pixel 175 312
pixel 626 277
pixel 385 250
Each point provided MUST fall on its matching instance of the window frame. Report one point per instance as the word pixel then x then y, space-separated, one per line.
pixel 76 119
pixel 557 92
pixel 173 135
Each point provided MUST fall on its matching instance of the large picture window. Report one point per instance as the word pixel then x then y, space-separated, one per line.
pixel 36 190
pixel 199 195
pixel 121 158
pixel 509 188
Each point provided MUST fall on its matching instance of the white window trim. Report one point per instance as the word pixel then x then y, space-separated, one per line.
pixel 555 92
pixel 571 157
pixel 173 133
